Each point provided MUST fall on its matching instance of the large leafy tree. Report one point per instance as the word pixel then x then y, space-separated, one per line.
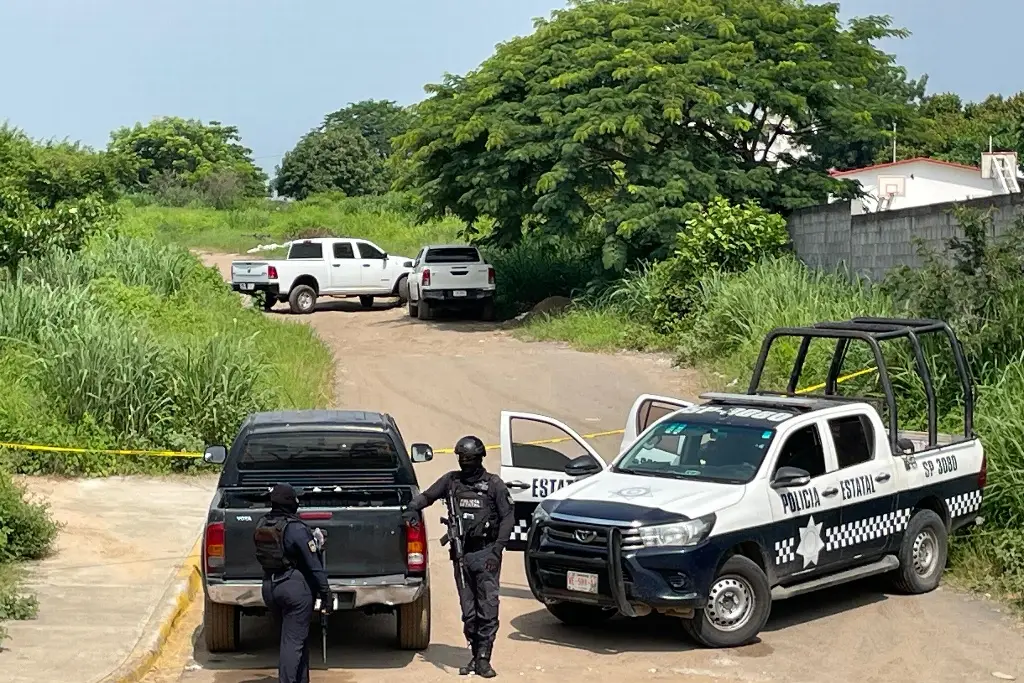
pixel 632 113
pixel 52 194
pixel 333 159
pixel 379 121
pixel 187 150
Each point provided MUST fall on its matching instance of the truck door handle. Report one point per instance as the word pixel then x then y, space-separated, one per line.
pixel 336 265
pixel 884 476
pixel 517 485
pixel 366 265
pixel 830 492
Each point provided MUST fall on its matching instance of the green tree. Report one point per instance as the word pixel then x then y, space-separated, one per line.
pixel 379 121
pixel 334 159
pixel 628 112
pixel 188 150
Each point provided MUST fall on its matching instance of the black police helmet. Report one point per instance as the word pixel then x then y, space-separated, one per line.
pixel 470 447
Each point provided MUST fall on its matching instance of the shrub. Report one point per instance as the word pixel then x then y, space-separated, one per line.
pixel 27 531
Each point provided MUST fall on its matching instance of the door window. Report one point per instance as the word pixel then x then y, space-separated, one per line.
pixel 367 250
pixel 803 449
pixel 652 411
pixel 542 446
pixel 343 250
pixel 854 439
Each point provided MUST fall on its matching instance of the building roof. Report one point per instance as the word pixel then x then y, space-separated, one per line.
pixel 937 162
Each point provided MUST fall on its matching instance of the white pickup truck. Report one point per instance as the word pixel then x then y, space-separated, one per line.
pixel 451 276
pixel 325 266
pixel 713 511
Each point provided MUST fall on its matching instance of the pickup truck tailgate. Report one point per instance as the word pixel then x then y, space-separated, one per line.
pixel 458 276
pixel 249 271
pixel 362 540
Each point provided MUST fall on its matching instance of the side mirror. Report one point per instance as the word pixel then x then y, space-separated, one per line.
pixel 422 452
pixel 385 256
pixel 791 478
pixel 407 264
pixel 215 455
pixel 582 466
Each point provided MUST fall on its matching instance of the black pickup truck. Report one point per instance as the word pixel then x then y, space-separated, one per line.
pixel 353 475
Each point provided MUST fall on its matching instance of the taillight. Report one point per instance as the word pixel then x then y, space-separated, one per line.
pixel 426 277
pixel 983 474
pixel 214 546
pixel 272 272
pixel 416 547
pixel 490 275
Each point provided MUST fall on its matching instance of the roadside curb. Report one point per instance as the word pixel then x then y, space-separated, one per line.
pixel 185 585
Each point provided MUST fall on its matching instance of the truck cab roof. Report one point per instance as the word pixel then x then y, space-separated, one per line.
pixel 279 420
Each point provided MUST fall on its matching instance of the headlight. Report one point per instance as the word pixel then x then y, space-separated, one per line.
pixel 684 534
pixel 540 514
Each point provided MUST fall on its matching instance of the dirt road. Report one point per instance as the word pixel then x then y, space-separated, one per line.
pixel 443 379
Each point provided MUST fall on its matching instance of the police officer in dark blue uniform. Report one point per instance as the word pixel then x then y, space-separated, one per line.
pixel 292 576
pixel 486 506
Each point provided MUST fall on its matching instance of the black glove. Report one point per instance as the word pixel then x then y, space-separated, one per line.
pixel 326 604
pixel 411 517
pixel 492 563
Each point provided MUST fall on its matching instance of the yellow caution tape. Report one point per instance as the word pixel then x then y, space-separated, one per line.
pixel 190 454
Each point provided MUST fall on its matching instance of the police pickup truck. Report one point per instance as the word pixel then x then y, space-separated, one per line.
pixel 712 511
pixel 353 476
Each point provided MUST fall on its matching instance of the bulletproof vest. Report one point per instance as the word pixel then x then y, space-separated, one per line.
pixel 479 515
pixel 269 540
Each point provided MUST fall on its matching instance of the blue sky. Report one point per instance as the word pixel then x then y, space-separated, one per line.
pixel 80 68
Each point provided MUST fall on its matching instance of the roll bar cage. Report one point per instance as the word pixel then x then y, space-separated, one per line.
pixel 872 331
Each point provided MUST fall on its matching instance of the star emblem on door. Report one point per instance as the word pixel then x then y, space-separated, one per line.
pixel 811 544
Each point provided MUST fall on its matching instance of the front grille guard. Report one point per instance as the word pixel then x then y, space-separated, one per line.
pixel 612 560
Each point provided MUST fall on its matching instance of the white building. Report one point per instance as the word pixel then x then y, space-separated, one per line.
pixel 921 181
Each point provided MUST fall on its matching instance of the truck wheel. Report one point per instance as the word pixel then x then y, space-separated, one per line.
pixel 922 554
pixel 302 299
pixel 414 309
pixel 414 623
pixel 487 310
pixel 366 301
pixel 221 626
pixel 402 289
pixel 423 310
pixel 573 614
pixel 739 602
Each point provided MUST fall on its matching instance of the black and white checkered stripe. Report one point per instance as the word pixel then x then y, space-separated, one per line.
pixel 521 530
pixel 964 504
pixel 785 551
pixel 867 529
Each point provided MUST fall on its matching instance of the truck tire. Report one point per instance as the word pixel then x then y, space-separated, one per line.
pixel 402 289
pixel 221 626
pixel 414 309
pixel 574 614
pixel 414 623
pixel 739 603
pixel 366 301
pixel 302 300
pixel 922 554
pixel 487 310
pixel 423 310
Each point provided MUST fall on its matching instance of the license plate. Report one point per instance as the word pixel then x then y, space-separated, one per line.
pixel 459 292
pixel 247 286
pixel 581 582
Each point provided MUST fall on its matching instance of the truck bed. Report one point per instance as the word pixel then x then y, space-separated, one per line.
pixel 364 529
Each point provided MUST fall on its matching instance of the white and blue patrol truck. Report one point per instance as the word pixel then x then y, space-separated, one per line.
pixel 712 511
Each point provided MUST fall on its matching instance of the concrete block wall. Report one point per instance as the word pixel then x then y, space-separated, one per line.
pixel 829 237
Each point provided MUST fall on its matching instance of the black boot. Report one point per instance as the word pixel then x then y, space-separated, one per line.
pixel 470 668
pixel 483 662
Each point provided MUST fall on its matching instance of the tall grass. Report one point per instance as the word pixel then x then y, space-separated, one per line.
pixel 134 344
pixel 384 221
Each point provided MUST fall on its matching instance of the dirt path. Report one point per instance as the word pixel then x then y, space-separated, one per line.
pixel 444 379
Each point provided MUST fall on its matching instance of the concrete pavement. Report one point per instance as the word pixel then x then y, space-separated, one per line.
pixel 123 541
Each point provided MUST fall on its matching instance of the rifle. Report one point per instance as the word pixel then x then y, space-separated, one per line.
pixel 318 537
pixel 456 535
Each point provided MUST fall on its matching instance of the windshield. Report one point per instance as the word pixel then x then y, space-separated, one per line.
pixel 332 451
pixel 705 451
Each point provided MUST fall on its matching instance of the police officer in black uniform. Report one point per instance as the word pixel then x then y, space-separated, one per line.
pixel 486 505
pixel 292 576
